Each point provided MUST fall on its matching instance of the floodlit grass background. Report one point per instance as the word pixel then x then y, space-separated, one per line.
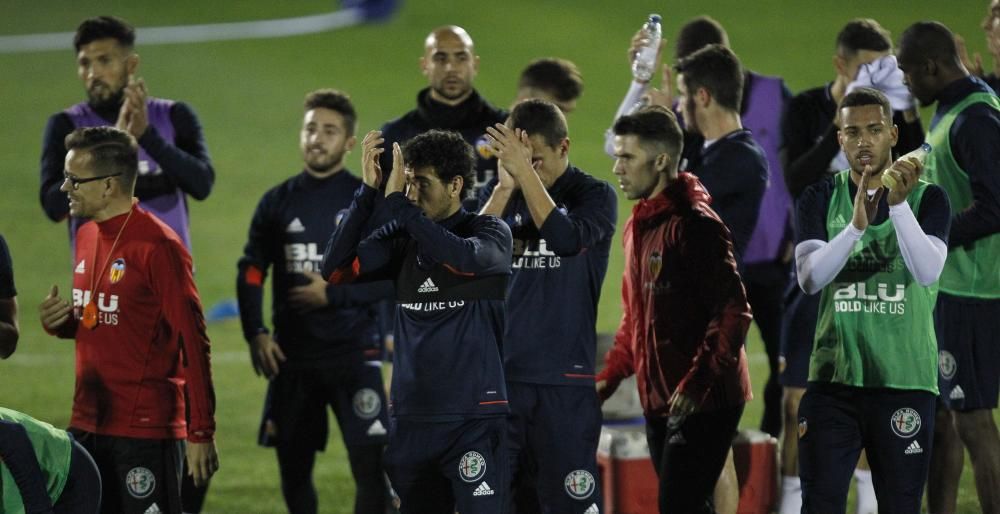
pixel 248 95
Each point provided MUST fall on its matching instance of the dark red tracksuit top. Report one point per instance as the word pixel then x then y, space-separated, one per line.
pixel 132 368
pixel 685 310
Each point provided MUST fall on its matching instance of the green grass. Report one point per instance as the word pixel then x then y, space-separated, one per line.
pixel 248 95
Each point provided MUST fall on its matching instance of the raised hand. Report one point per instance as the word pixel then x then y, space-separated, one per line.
pixel 864 210
pixel 133 116
pixel 906 174
pixel 397 178
pixel 512 148
pixel 371 149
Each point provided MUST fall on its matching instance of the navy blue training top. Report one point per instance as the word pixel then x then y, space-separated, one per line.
pixel 449 278
pixel 556 281
pixel 734 171
pixel 289 228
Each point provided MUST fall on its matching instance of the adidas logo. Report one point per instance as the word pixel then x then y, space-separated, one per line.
pixel 153 509
pixel 81 268
pixel 376 428
pixel 483 490
pixel 295 226
pixel 957 394
pixel 839 220
pixel 592 509
pixel 427 287
pixel 913 449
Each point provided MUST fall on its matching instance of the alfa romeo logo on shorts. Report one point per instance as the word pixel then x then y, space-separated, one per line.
pixel 367 404
pixel 140 482
pixel 947 364
pixel 580 484
pixel 471 467
pixel 905 422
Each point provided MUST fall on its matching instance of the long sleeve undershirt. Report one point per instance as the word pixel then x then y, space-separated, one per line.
pixel 819 262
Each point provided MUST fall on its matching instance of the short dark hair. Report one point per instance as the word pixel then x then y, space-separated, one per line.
pixel 540 118
pixel 929 40
pixel 867 96
pixel 863 34
pixel 111 150
pixel 443 150
pixel 104 27
pixel 718 70
pixel 559 77
pixel 334 100
pixel 656 127
pixel 697 34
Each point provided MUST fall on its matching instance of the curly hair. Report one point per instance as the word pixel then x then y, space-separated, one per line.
pixel 443 150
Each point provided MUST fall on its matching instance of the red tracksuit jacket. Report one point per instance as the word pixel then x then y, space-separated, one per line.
pixel 132 368
pixel 685 310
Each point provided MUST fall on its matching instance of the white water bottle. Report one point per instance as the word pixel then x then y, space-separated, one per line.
pixel 890 179
pixel 644 63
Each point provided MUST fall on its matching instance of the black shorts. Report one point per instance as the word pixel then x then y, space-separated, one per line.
pixel 82 492
pixel 894 426
pixel 138 476
pixel 968 334
pixel 443 467
pixel 798 331
pixel 295 408
pixel 553 441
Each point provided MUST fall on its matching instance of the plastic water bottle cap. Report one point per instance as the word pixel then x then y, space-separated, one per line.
pixel 926 147
pixel 655 18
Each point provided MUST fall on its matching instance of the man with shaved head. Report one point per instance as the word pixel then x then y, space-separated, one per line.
pixel 965 134
pixel 450 102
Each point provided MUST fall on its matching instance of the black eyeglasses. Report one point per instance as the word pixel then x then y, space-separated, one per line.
pixel 75 182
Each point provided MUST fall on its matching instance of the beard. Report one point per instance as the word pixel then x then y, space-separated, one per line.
pixel 112 101
pixel 323 162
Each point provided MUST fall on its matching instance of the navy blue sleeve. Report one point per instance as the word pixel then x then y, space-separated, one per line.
pixel 258 256
pixel 487 252
pixel 810 211
pixel 935 213
pixel 53 163
pixel 590 221
pixel 807 159
pixel 7 289
pixel 911 135
pixel 18 455
pixel 345 243
pixel 185 160
pixel 975 143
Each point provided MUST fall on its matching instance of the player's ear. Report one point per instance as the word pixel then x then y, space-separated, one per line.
pixel 662 162
pixel 349 144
